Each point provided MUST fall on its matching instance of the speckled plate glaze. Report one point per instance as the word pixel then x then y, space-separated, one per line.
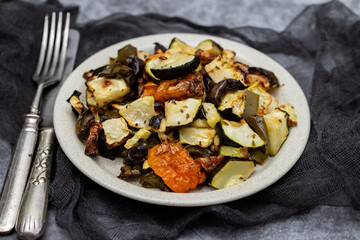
pixel 105 172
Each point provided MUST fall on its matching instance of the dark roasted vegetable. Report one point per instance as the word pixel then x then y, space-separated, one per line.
pixel 83 124
pixel 136 155
pixel 91 148
pixel 103 150
pixel 127 171
pixel 238 132
pixel 220 89
pixel 258 156
pixel 155 121
pixel 77 106
pixel 251 103
pixel 266 78
pixel 159 48
pixel 205 57
pixel 175 66
pixel 210 163
pixel 232 105
pixel 257 123
pixel 125 53
pixel 151 180
pixel 199 152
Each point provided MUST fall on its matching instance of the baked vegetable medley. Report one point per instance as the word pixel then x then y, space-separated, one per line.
pixel 181 116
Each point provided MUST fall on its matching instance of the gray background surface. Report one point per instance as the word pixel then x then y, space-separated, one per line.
pixel 322 222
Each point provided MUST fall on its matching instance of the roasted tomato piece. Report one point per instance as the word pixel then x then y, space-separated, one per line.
pixel 179 89
pixel 175 166
pixel 149 89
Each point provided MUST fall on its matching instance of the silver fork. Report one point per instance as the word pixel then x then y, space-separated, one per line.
pixel 48 72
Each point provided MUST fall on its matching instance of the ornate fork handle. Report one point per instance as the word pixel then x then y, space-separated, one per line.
pixel 17 173
pixel 31 220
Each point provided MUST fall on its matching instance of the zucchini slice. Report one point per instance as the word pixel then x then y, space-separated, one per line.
pixel 211 114
pixel 233 103
pixel 116 132
pixel 210 46
pixel 90 99
pixel 276 124
pixel 220 69
pixel 77 106
pixel 267 103
pixel 230 151
pixel 202 137
pixel 199 123
pixel 232 173
pixel 238 132
pixel 141 134
pixel 175 66
pixel 150 63
pixel 185 48
pixel 106 90
pixel 178 113
pixel 139 112
pixel 292 121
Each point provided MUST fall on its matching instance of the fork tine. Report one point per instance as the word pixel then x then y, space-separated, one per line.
pixel 43 46
pixel 64 47
pixel 51 45
pixel 57 46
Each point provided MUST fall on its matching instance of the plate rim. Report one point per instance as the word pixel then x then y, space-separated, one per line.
pixel 181 199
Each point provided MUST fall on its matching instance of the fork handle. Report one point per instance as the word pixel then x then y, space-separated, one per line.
pixel 31 220
pixel 18 172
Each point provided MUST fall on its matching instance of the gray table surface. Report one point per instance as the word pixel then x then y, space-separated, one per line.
pixel 322 222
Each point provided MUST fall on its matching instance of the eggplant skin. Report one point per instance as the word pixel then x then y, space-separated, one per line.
pixel 159 48
pixel 91 148
pixel 155 121
pixel 220 89
pixel 83 124
pixel 103 150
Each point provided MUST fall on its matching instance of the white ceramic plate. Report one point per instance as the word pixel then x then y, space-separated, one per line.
pixel 105 172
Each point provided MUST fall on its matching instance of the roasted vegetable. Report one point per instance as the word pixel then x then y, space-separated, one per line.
pixel 150 89
pixel 199 123
pixel 190 86
pixel 266 78
pixel 276 125
pixel 267 103
pixel 91 148
pixel 175 66
pixel 230 151
pixel 210 46
pixel 127 171
pixel 292 120
pixel 177 43
pixel 204 57
pixel 155 121
pixel 77 106
pixel 238 132
pixel 83 124
pixel 151 180
pixel 211 114
pixel 103 150
pixel 125 53
pixel 232 105
pixel 141 134
pixel 257 123
pixel 116 132
pixel 179 113
pixel 139 112
pixel 210 163
pixel 199 152
pixel 136 155
pixel 202 137
pixel 220 89
pixel 173 164
pixel 159 48
pixel 220 69
pixel 90 99
pixel 258 156
pixel 232 173
pixel 106 90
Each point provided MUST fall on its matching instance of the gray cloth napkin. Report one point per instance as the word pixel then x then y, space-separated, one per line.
pixel 320 48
